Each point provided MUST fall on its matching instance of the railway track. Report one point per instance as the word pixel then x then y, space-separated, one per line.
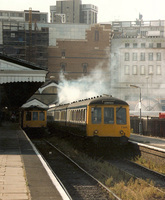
pixel 140 171
pixel 77 181
pixel 112 156
pixel 150 154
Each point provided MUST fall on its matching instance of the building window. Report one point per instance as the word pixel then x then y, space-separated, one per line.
pixel 143 45
pixel 127 70
pixel 134 45
pixel 150 69
pixel 63 67
pixel 126 56
pixel 134 69
pixel 158 70
pixel 158 56
pixel 96 35
pixel 151 45
pixel 143 33
pixel 158 45
pixel 142 70
pixel 84 65
pixel 12 35
pixel 126 45
pixel 5 14
pixel 134 56
pixel 63 53
pixel 142 56
pixel 150 56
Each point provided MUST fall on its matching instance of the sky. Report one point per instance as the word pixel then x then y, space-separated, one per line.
pixel 108 10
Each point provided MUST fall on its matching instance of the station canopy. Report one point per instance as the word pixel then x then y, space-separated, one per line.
pixel 19 80
pixel 16 70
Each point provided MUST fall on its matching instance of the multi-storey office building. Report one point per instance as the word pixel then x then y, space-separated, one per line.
pixel 70 8
pixel 73 11
pixel 138 58
pixel 88 14
pixel 23 16
pixel 17 40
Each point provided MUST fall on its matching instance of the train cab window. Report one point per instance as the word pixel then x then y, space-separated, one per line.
pixel 35 116
pixel 96 115
pixel 41 116
pixel 108 115
pixel 120 115
pixel 28 116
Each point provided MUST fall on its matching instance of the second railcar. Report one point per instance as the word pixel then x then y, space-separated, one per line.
pixel 34 117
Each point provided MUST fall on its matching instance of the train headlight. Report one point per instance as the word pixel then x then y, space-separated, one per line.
pixel 95 132
pixel 122 132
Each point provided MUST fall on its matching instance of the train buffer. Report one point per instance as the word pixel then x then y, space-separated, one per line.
pixel 22 173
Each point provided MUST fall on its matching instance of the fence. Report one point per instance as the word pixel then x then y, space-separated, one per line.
pixel 150 127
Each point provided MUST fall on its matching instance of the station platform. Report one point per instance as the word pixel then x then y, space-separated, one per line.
pixel 151 141
pixel 23 174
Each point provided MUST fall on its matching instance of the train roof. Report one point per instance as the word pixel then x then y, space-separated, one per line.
pixel 108 100
pixel 34 103
pixel 34 108
pixel 101 100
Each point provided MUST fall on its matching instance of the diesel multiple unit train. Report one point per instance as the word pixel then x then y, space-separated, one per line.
pixel 33 117
pixel 103 117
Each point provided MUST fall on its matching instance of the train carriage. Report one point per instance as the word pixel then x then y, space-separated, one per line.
pixel 104 118
pixel 34 114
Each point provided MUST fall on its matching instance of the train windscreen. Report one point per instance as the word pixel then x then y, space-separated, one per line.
pixel 120 115
pixel 96 115
pixel 108 115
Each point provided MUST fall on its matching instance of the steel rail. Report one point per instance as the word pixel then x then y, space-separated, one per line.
pixel 106 188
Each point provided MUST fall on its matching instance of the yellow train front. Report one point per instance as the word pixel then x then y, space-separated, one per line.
pixel 103 118
pixel 34 117
pixel 109 121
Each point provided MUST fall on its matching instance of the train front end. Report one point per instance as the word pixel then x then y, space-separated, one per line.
pixel 108 119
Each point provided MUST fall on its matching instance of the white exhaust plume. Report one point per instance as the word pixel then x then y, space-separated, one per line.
pixel 94 84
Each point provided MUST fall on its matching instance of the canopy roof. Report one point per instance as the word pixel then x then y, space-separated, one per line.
pixel 15 70
pixel 19 80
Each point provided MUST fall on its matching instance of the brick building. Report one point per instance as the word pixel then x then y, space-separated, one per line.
pixel 76 58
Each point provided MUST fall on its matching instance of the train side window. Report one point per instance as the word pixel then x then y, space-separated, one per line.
pixel 84 115
pixel 70 115
pixel 96 115
pixel 28 116
pixel 56 116
pixel 120 115
pixel 42 116
pixel 35 116
pixel 79 115
pixel 76 115
pixel 108 115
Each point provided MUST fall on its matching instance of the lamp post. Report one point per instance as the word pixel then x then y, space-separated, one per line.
pixel 140 123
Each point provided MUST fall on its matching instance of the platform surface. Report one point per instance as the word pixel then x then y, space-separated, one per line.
pixel 22 175
pixel 152 141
